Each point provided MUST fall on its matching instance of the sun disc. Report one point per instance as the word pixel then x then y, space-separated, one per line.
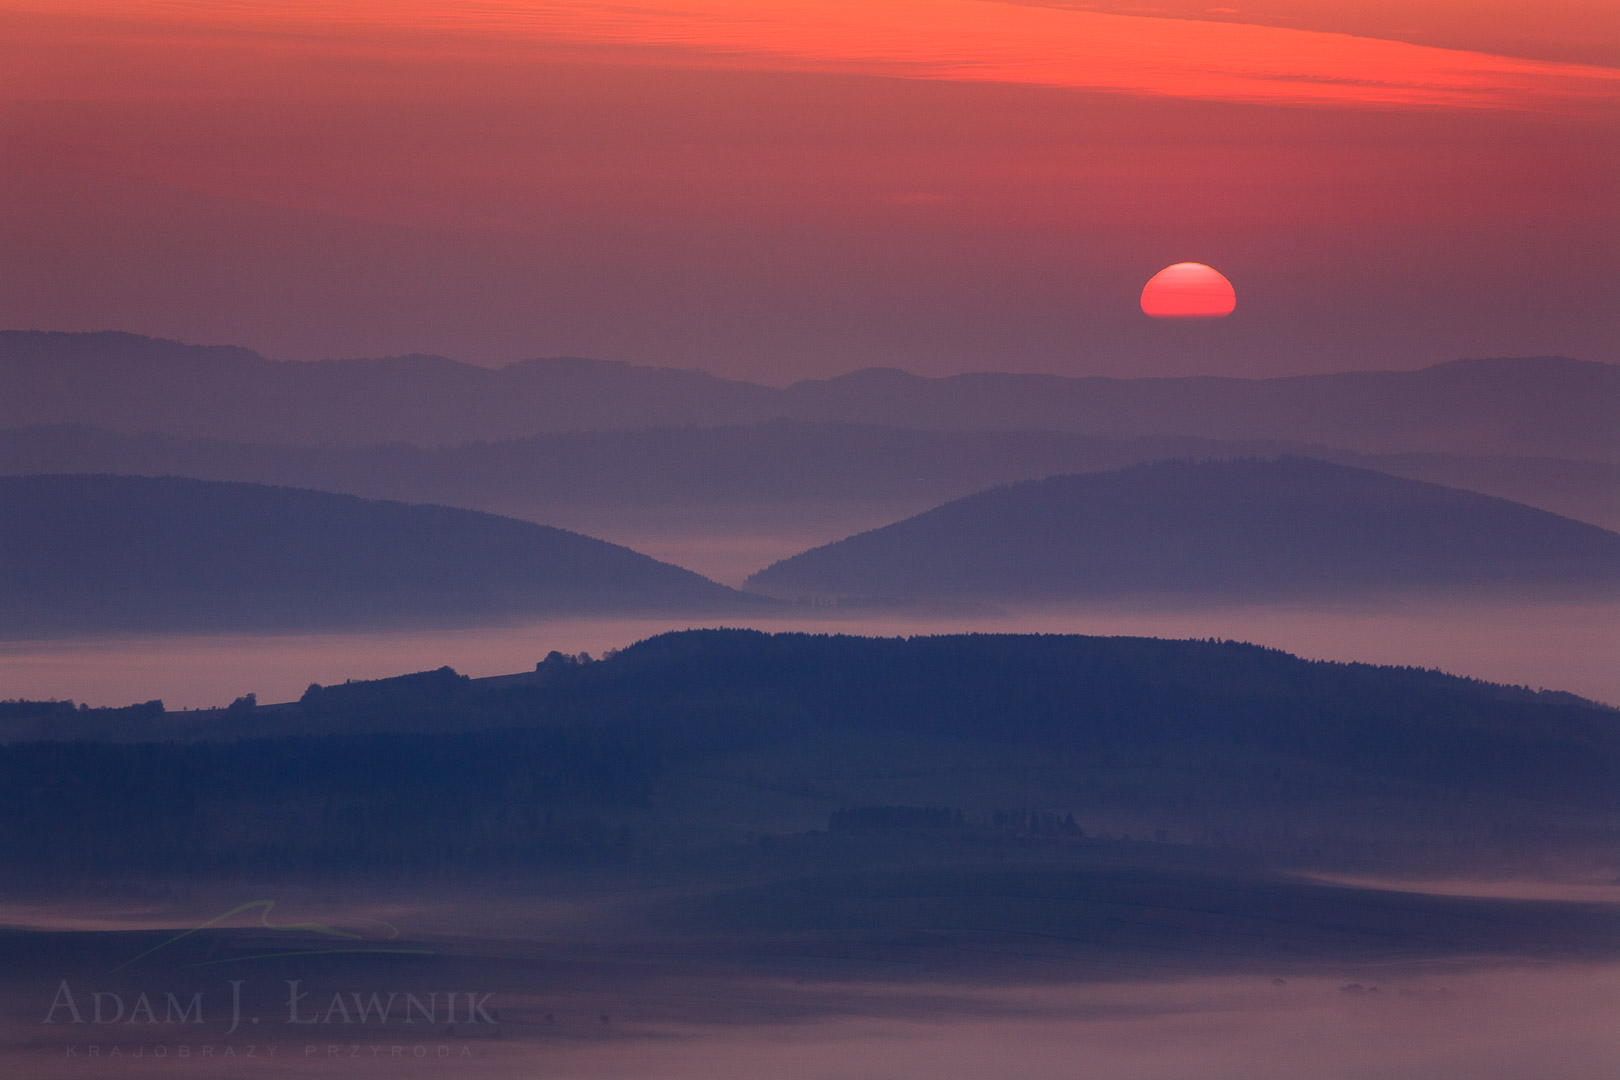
pixel 1188 290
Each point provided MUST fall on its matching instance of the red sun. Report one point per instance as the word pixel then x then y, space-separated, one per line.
pixel 1188 290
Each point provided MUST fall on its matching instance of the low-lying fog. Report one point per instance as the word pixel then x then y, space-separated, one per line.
pixel 1550 1023
pixel 1510 1024
pixel 1561 646
pixel 573 1000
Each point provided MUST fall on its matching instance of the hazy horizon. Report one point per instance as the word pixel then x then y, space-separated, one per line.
pixel 777 380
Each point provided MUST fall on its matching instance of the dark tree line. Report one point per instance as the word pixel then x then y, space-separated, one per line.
pixel 437 769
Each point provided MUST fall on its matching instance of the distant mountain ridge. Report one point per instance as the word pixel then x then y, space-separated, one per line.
pixel 772 466
pixel 1547 406
pixel 1242 529
pixel 102 553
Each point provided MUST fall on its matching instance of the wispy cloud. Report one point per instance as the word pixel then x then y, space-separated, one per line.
pixel 968 40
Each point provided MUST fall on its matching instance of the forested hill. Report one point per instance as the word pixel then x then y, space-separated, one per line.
pixel 91 553
pixel 710 733
pixel 1248 529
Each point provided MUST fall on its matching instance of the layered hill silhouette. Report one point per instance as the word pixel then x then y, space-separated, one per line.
pixel 84 553
pixel 1239 528
pixel 775 467
pixel 1534 407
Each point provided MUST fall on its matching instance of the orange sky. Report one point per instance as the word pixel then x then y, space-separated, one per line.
pixel 1209 57
pixel 780 188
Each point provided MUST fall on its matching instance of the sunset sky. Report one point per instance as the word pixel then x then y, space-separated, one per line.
pixel 776 189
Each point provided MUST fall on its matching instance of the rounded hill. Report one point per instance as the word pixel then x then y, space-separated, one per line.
pixel 134 553
pixel 1240 528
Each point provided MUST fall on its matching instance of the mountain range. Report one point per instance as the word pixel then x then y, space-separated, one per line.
pixel 98 553
pixel 777 469
pixel 1535 407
